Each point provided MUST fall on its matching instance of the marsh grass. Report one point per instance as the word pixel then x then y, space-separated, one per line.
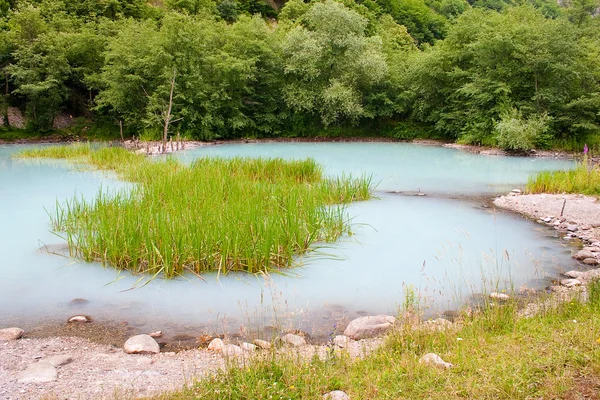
pixel 496 355
pixel 224 215
pixel 584 179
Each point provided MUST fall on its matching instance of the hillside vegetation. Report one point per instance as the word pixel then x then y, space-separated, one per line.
pixel 518 75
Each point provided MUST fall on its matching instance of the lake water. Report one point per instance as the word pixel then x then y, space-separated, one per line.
pixel 446 245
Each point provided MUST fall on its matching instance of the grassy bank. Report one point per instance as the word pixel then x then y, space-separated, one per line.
pixel 584 179
pixel 496 355
pixel 223 215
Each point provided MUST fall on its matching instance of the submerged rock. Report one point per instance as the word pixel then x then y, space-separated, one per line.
pixel 368 327
pixel 336 395
pixel 434 360
pixel 141 344
pixel 79 318
pixel 13 333
pixel 40 372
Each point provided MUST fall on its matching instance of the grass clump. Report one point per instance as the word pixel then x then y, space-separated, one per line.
pixel 553 355
pixel 238 214
pixel 584 179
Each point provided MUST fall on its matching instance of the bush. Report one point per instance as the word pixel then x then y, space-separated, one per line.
pixel 513 132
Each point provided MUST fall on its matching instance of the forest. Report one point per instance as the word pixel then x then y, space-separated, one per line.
pixel 517 74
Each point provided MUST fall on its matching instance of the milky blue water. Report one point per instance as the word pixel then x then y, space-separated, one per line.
pixel 445 245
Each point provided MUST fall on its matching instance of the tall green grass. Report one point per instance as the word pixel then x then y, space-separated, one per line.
pixel 584 179
pixel 238 214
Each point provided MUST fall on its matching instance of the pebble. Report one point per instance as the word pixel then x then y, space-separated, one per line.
pixel 336 395
pixel 434 360
pixel 13 333
pixel 155 334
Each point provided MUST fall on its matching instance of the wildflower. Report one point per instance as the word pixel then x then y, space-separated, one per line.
pixel 459 338
pixel 598 341
pixel 585 149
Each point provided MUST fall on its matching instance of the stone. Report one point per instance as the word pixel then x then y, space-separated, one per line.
pixel 590 261
pixel 341 341
pixel 547 219
pixel 434 360
pixel 499 296
pixel 13 333
pixel 155 334
pixel 591 274
pixel 526 290
pixel 248 346
pixel 572 228
pixel 79 318
pixel 263 344
pixel 593 249
pixel 367 327
pixel 583 254
pixel 294 340
pixel 231 350
pixel 585 227
pixel 574 274
pixel 516 191
pixel 57 361
pixel 216 345
pixel 40 372
pixel 141 344
pixel 336 395
pixel 570 282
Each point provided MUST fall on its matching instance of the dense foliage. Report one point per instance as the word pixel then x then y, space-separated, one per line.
pixel 492 72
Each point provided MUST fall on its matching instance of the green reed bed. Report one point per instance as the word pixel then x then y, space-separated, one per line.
pixel 584 179
pixel 216 214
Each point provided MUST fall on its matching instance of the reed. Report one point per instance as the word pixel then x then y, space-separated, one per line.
pixel 224 215
pixel 584 179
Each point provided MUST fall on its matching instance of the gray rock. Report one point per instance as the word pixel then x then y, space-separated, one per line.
pixel 367 327
pixel 231 350
pixel 583 254
pixel 248 346
pixel 591 275
pixel 499 296
pixel 516 191
pixel 155 334
pixel 574 274
pixel 216 345
pixel 40 372
pixel 434 360
pixel 572 228
pixel 570 282
pixel 593 249
pixel 590 261
pixel 294 340
pixel 438 324
pixel 263 344
pixel 547 219
pixel 336 395
pixel 11 333
pixel 341 341
pixel 79 318
pixel 57 361
pixel 141 344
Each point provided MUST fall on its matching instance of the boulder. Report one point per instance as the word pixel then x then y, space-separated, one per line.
pixel 216 345
pixel 11 333
pixel 367 327
pixel 499 296
pixel 590 261
pixel 336 395
pixel 248 346
pixel 341 341
pixel 591 274
pixel 294 340
pixel 141 344
pixel 570 282
pixel 574 274
pixel 583 254
pixel 263 344
pixel 231 350
pixel 434 360
pixel 40 372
